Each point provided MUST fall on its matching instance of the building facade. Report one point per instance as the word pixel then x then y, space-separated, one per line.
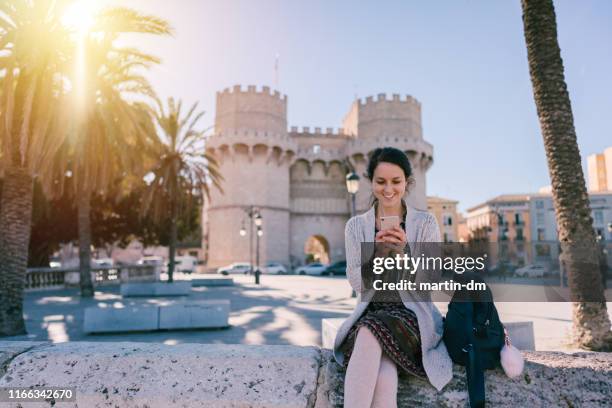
pixel 445 211
pixel 599 170
pixel 503 218
pixel 295 177
pixel 526 225
pixel 544 225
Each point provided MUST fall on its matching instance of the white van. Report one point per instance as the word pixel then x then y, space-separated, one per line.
pixel 186 263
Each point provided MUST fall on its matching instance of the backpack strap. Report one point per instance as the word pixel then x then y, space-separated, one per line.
pixel 473 366
pixel 475 378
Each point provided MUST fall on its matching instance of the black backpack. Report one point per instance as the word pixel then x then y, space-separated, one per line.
pixel 473 335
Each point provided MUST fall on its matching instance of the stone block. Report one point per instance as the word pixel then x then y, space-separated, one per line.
pixel 550 379
pixel 521 333
pixel 212 281
pixel 120 319
pixel 137 289
pixel 130 375
pixel 11 349
pixel 177 288
pixel 329 328
pixel 194 314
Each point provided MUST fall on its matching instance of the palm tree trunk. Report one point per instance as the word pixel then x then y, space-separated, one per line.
pixel 15 224
pixel 579 250
pixel 84 212
pixel 173 239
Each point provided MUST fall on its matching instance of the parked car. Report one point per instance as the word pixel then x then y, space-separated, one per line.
pixel 315 268
pixel 104 262
pixel 235 268
pixel 55 262
pixel 151 260
pixel 276 268
pixel 185 263
pixel 531 271
pixel 156 261
pixel 336 268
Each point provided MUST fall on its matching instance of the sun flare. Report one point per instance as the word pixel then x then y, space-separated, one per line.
pixel 80 15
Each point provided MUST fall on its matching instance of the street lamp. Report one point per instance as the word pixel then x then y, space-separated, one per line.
pixel 256 219
pixel 352 185
pixel 258 222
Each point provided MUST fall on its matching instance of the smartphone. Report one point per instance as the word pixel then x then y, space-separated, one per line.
pixel 389 222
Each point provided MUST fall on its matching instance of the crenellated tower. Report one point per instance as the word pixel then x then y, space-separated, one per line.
pixel 383 121
pixel 254 152
pixel 296 176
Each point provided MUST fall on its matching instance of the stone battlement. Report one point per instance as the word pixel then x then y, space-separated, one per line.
pixel 318 132
pixel 127 374
pixel 394 98
pixel 252 90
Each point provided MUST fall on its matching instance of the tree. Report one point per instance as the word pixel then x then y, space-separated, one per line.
pixel 181 172
pixel 53 223
pixel 110 122
pixel 579 250
pixel 116 220
pixel 33 54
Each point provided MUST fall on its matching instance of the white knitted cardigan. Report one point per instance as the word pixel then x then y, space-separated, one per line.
pixel 420 227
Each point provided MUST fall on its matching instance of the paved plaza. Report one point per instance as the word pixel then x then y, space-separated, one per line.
pixel 285 309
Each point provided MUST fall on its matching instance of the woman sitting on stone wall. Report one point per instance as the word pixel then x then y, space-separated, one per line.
pixel 385 335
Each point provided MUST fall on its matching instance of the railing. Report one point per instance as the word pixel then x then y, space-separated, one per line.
pixel 44 278
pixel 47 278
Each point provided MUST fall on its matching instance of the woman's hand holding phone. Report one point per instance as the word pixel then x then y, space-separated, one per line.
pixel 394 238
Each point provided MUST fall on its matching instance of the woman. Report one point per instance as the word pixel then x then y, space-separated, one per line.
pixel 382 337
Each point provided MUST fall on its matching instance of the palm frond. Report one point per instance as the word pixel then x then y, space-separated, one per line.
pixel 126 20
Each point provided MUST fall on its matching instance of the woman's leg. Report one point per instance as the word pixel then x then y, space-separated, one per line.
pixel 385 393
pixel 362 370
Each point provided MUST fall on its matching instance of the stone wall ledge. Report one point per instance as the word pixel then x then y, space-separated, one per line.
pixel 125 374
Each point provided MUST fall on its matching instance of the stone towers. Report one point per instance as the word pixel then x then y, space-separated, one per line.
pixel 297 177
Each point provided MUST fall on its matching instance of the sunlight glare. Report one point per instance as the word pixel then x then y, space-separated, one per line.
pixel 80 15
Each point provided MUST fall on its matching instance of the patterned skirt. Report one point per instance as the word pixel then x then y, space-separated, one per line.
pixel 397 331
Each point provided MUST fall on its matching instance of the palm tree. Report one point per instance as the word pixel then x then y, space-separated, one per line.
pixel 112 120
pixel 181 170
pixel 33 54
pixel 579 250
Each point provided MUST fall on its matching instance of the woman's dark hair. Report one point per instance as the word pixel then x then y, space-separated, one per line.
pixel 389 155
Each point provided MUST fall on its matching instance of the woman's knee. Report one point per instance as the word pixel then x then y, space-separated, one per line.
pixel 365 335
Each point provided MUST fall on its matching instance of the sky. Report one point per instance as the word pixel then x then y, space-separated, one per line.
pixel 465 61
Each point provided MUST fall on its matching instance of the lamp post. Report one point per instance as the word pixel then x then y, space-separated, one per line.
pixel 258 222
pixel 352 186
pixel 254 218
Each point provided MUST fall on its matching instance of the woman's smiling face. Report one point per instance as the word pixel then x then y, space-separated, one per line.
pixel 389 184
